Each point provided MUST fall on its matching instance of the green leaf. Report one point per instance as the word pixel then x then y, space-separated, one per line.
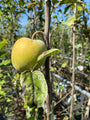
pixel 79 8
pixel 66 8
pixel 35 88
pixel 1 13
pixel 53 69
pixel 64 64
pixel 78 46
pixel 16 77
pixel 55 16
pixel 2 54
pixel 70 21
pixel 61 87
pixel 32 4
pixel 40 87
pixel 70 2
pixel 48 53
pixel 5 63
pixel 31 118
pixel 55 2
pixel 2 93
pixel 44 55
pixel 2 82
pixel 9 99
pixel 55 84
pixel 3 43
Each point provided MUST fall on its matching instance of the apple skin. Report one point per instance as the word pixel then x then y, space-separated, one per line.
pixel 25 53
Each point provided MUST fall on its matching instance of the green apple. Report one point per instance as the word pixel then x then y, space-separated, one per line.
pixel 25 53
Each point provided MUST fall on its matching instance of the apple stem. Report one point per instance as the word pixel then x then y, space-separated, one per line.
pixel 39 32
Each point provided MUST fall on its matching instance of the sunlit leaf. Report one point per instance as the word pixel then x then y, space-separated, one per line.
pixel 53 69
pixel 2 54
pixel 64 64
pixel 44 55
pixel 9 99
pixel 48 53
pixel 79 8
pixel 70 21
pixel 3 43
pixel 5 62
pixel 16 77
pixel 61 87
pixel 55 16
pixel 1 13
pixel 70 2
pixel 32 4
pixel 2 93
pixel 78 45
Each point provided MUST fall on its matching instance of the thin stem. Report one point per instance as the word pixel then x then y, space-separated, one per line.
pixel 73 74
pixel 38 32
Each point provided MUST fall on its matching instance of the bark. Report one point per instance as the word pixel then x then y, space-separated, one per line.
pixel 84 17
pixel 12 32
pixel 34 17
pixel 47 63
pixel 73 74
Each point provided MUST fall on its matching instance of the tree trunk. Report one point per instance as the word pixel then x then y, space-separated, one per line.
pixel 34 17
pixel 12 32
pixel 73 74
pixel 47 63
pixel 84 17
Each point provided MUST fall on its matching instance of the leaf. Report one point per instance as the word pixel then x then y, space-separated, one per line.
pixel 32 4
pixel 61 87
pixel 66 8
pixel 2 93
pixel 87 10
pixel 79 8
pixel 2 54
pixel 3 43
pixel 64 64
pixel 78 46
pixel 55 16
pixel 35 88
pixel 55 2
pixel 1 13
pixel 5 63
pixel 53 69
pixel 16 77
pixel 55 84
pixel 69 21
pixel 40 87
pixel 70 2
pixel 44 55
pixel 31 118
pixel 2 82
pixel 48 53
pixel 9 99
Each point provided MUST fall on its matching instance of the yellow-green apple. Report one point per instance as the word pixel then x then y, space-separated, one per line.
pixel 25 53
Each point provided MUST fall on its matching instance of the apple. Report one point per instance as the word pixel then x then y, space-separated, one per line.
pixel 25 53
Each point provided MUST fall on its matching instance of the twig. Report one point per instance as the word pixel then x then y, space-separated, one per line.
pixel 62 99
